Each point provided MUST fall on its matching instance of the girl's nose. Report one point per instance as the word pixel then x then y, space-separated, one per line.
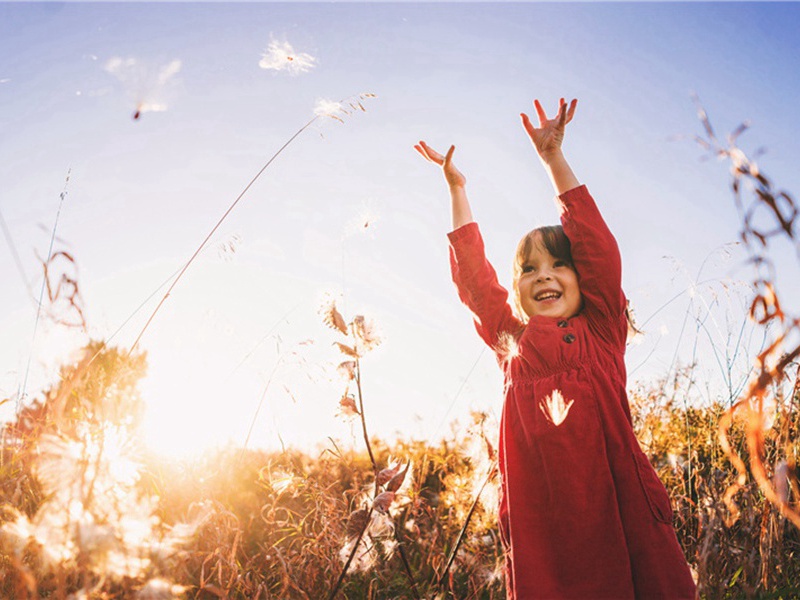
pixel 543 275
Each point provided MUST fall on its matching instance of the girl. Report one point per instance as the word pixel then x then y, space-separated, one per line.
pixel 582 512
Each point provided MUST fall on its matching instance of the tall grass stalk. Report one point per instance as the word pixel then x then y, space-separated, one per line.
pixel 351 101
pixel 22 391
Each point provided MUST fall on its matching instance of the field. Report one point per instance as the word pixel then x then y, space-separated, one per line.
pixel 87 513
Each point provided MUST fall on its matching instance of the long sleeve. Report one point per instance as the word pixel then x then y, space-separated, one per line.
pixel 595 253
pixel 478 287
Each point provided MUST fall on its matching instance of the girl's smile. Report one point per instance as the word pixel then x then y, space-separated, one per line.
pixel 548 286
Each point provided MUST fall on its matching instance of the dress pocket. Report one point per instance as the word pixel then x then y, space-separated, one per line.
pixel 653 489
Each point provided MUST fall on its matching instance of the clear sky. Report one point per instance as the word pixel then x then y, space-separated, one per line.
pixel 214 106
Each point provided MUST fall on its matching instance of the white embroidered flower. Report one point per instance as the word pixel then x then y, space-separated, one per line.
pixel 507 348
pixel 555 409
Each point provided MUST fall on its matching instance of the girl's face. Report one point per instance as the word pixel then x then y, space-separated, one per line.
pixel 548 286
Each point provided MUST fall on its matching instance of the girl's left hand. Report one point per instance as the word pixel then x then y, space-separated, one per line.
pixel 548 136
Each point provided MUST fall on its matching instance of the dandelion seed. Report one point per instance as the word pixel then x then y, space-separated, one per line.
pixel 362 223
pixel 280 481
pixel 366 555
pixel 381 526
pixel 555 409
pixel 280 56
pixel 144 84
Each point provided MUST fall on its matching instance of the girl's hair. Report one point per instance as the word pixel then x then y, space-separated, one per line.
pixel 556 242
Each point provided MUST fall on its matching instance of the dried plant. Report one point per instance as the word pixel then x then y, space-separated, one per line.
pixel 92 528
pixel 767 213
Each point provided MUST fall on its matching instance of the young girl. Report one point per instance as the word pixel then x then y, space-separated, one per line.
pixel 583 514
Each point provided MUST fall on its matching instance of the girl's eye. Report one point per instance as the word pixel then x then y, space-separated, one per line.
pixel 560 263
pixel 527 269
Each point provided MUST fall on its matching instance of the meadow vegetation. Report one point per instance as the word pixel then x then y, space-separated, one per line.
pixel 86 512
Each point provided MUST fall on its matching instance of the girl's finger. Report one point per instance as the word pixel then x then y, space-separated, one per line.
pixel 562 114
pixel 540 112
pixel 449 156
pixel 526 123
pixel 430 153
pixel 572 107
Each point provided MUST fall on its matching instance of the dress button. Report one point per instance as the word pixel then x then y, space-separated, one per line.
pixel 563 323
pixel 569 338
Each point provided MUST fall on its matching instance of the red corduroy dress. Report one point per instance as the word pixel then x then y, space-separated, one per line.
pixel 583 514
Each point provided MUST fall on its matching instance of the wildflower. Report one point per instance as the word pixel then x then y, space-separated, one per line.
pixel 280 56
pixel 555 409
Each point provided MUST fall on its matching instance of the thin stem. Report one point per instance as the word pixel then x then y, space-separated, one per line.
pixel 364 422
pixel 258 408
pixel 21 394
pixel 214 229
pixel 461 533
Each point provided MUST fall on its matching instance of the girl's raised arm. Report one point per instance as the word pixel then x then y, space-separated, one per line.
pixel 595 252
pixel 547 139
pixel 474 277
pixel 459 205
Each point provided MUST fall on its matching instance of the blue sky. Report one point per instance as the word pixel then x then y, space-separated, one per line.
pixel 143 193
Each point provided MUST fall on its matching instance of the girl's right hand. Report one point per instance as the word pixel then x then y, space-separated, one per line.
pixel 453 176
